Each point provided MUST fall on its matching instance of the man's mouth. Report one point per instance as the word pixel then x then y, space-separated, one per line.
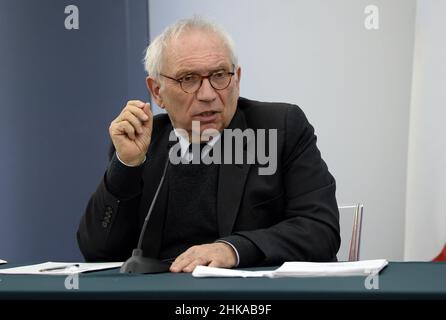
pixel 207 113
pixel 207 116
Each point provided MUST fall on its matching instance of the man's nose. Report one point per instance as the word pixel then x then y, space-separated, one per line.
pixel 206 91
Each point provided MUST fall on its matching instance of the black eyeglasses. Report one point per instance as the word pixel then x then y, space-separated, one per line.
pixel 192 82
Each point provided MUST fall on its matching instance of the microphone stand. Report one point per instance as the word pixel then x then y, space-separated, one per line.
pixel 138 263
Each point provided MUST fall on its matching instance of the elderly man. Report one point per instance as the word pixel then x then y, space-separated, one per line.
pixel 218 214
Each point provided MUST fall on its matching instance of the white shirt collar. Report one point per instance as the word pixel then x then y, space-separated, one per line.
pixel 184 143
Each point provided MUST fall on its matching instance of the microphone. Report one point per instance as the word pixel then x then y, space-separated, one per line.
pixel 138 263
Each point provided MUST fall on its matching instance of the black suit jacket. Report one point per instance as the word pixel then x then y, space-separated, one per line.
pixel 288 216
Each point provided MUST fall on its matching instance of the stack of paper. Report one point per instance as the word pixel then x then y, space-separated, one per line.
pixel 330 269
pixel 300 269
pixel 2 261
pixel 61 268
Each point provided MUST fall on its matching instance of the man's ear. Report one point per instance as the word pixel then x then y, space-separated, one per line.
pixel 154 89
pixel 239 74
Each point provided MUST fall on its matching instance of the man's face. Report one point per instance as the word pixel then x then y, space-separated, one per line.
pixel 202 53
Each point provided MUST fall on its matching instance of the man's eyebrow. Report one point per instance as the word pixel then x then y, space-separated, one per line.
pixel 183 72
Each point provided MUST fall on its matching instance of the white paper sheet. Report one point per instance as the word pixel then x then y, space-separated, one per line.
pixel 300 269
pixel 203 272
pixel 3 261
pixel 63 268
pixel 330 269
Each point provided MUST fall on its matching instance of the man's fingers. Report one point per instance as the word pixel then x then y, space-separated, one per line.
pixel 145 107
pixel 125 127
pixel 137 103
pixel 191 266
pixel 218 255
pixel 133 120
pixel 135 116
pixel 131 131
pixel 137 112
pixel 148 112
pixel 179 264
pixel 188 260
pixel 187 264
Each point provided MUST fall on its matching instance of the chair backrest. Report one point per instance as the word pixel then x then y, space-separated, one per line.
pixel 350 219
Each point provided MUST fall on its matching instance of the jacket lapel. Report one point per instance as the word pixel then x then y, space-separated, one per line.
pixel 231 183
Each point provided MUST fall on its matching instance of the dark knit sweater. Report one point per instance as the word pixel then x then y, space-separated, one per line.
pixel 191 216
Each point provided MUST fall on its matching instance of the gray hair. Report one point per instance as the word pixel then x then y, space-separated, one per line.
pixel 155 51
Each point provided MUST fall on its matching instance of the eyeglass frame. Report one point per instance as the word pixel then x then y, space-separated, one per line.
pixel 180 80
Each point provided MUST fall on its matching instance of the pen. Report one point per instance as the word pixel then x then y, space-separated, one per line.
pixel 60 268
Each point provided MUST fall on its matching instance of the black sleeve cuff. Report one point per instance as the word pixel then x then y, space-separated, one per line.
pixel 249 254
pixel 122 181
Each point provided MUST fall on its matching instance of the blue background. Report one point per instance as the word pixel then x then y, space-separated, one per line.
pixel 59 91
